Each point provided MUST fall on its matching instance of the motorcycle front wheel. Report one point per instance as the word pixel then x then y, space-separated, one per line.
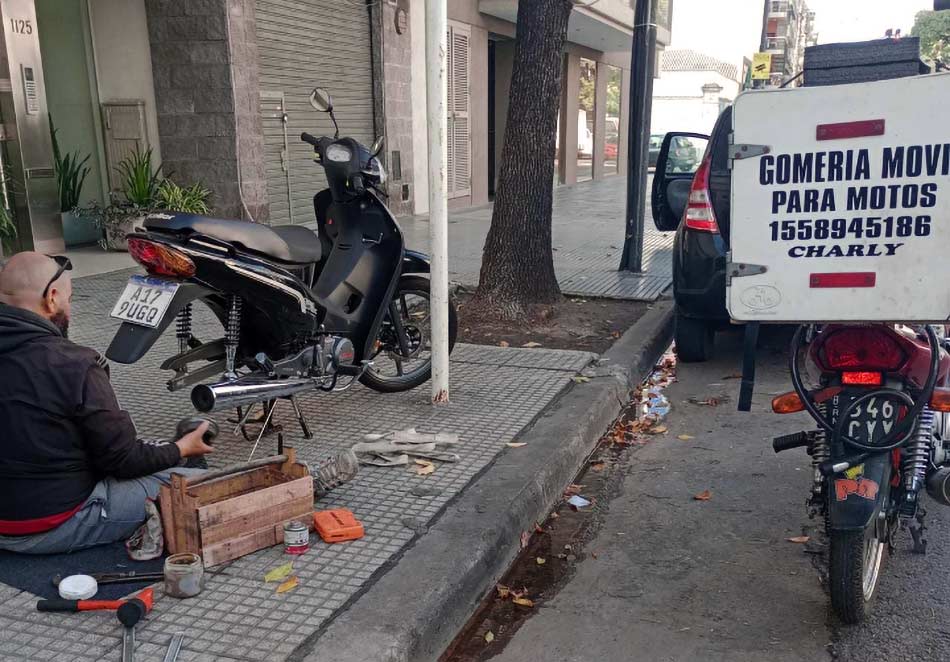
pixel 855 564
pixel 402 353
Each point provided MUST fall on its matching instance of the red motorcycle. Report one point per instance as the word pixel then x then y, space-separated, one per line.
pixel 880 395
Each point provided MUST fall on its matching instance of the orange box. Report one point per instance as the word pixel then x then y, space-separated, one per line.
pixel 337 525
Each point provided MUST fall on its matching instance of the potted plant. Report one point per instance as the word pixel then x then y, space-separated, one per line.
pixel 7 230
pixel 71 172
pixel 190 199
pixel 140 185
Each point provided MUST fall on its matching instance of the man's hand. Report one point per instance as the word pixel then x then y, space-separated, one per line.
pixel 192 444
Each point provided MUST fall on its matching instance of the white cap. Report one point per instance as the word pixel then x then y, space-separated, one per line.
pixel 77 587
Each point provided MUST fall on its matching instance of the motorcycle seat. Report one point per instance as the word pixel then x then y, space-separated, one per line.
pixel 293 244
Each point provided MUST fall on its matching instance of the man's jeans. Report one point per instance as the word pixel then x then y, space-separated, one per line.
pixel 114 510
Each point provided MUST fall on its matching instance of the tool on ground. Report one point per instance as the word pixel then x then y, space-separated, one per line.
pixel 116 577
pixel 337 525
pixel 174 648
pixel 145 597
pixel 129 613
pixel 77 587
pixel 395 448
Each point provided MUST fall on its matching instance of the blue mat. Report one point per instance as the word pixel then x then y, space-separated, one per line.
pixel 34 573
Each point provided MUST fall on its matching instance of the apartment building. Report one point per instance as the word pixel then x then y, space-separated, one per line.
pixel 788 28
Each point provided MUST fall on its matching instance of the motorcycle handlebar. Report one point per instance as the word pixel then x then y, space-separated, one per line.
pixel 307 138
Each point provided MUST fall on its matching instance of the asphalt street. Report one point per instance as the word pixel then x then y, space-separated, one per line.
pixel 672 578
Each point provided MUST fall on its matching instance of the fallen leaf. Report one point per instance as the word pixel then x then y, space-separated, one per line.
pixel 800 540
pixel 424 467
pixel 503 591
pixel 516 444
pixel 735 375
pixel 531 344
pixel 598 466
pixel 580 379
pixel 615 334
pixel 573 489
pixel 593 555
pixel 489 636
pixel 541 561
pixel 523 602
pixel 288 585
pixel 705 495
pixel 503 343
pixel 659 429
pixel 279 573
pixel 537 528
pixel 525 537
pixel 707 402
pixel 554 515
pixel 685 437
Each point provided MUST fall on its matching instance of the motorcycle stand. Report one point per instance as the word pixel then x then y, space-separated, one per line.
pixel 917 528
pixel 268 427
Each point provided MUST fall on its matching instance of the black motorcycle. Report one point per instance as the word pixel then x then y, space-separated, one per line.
pixel 301 310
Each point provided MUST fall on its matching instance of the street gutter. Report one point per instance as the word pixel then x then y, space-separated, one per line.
pixel 419 602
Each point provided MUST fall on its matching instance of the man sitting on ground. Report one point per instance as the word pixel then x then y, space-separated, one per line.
pixel 73 473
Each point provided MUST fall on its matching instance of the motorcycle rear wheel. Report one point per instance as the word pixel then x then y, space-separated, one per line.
pixel 412 302
pixel 856 558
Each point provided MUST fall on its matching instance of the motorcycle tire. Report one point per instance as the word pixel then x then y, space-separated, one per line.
pixel 856 559
pixel 418 286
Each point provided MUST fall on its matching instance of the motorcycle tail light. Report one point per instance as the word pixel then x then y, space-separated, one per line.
pixel 700 214
pixel 862 349
pixel 791 403
pixel 862 378
pixel 940 400
pixel 161 260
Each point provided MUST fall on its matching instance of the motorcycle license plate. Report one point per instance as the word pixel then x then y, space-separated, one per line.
pixel 144 301
pixel 869 422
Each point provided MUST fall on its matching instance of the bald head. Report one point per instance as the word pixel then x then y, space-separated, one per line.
pixel 23 279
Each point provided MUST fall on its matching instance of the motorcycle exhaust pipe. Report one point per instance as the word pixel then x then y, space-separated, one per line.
pixel 228 395
pixel 938 486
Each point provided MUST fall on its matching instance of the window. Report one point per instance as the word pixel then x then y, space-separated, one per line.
pixel 585 119
pixel 612 119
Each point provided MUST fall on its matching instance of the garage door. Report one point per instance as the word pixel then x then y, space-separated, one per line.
pixel 303 44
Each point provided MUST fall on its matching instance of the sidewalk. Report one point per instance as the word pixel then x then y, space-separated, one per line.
pixel 588 240
pixel 496 392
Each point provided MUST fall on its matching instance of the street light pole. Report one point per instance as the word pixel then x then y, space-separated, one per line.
pixel 642 66
pixel 436 26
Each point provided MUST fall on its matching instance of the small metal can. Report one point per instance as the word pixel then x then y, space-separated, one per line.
pixel 296 538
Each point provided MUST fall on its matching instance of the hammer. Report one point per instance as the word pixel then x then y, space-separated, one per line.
pixel 144 599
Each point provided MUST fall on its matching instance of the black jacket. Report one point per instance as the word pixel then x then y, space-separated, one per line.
pixel 61 428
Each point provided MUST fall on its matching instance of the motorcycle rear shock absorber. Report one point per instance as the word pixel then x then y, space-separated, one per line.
pixel 917 460
pixel 232 335
pixel 820 451
pixel 183 328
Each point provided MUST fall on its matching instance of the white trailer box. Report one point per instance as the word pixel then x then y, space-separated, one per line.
pixel 841 203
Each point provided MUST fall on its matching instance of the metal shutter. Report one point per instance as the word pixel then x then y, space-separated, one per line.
pixel 303 44
pixel 459 146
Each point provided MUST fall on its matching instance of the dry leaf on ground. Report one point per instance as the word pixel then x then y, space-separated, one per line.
pixel 580 379
pixel 424 467
pixel 531 344
pixel 537 528
pixel 525 537
pixel 685 437
pixel 489 636
pixel 705 495
pixel 516 444
pixel 736 375
pixel 598 466
pixel 707 402
pixel 659 429
pixel 503 591
pixel 541 561
pixel 800 540
pixel 288 585
pixel 504 343
pixel 279 573
pixel 523 602
pixel 573 489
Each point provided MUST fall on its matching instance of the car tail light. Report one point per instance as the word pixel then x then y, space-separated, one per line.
pixel 160 259
pixel 862 349
pixel 862 378
pixel 940 400
pixel 699 214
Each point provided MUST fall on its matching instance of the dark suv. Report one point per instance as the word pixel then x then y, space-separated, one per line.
pixel 694 201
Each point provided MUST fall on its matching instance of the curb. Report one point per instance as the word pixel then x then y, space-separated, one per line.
pixel 414 611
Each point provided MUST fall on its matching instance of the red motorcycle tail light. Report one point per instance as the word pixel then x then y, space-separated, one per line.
pixel 940 400
pixel 862 378
pixel 862 349
pixel 161 260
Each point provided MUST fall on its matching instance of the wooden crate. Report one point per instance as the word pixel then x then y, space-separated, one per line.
pixel 231 512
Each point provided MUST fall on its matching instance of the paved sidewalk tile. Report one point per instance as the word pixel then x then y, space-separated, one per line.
pixel 495 393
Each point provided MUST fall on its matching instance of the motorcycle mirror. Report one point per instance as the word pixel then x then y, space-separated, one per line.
pixel 320 99
pixel 378 146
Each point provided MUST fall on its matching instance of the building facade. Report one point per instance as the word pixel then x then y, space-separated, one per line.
pixel 218 90
pixel 691 91
pixel 788 28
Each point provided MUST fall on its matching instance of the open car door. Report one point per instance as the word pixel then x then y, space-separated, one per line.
pixel 676 164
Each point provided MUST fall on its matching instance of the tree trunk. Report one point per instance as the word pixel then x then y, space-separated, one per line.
pixel 518 261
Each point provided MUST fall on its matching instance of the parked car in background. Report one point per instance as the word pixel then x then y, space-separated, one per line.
pixel 656 141
pixel 691 196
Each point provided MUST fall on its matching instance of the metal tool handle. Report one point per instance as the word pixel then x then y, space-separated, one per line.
pixel 128 645
pixel 174 647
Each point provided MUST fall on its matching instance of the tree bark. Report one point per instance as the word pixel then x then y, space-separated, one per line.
pixel 518 260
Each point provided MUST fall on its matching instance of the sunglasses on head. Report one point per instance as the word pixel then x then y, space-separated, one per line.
pixel 63 264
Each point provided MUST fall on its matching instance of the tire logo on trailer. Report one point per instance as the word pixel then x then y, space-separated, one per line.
pixel 761 297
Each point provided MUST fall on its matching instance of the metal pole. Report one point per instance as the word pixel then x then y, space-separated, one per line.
pixel 642 66
pixel 436 26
